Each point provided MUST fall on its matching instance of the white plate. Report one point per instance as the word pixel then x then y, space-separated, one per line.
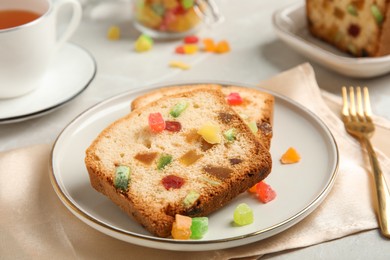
pixel 291 26
pixel 300 187
pixel 69 74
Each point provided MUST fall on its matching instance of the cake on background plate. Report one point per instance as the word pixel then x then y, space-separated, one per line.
pixel 358 27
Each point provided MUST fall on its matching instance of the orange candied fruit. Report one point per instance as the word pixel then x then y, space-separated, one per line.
pixel 253 189
pixel 208 44
pixel 222 47
pixel 181 228
pixel 290 156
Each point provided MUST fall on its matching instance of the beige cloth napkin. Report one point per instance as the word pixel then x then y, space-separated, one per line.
pixel 35 225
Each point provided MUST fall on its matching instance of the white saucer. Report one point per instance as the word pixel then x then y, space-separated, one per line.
pixel 291 26
pixel 70 73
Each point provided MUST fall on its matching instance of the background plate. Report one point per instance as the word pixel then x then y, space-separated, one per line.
pixel 291 26
pixel 300 187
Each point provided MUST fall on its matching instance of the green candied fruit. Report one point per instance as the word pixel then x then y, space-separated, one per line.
pixel 352 49
pixel 351 9
pixel 253 126
pixel 243 215
pixel 122 177
pixel 230 134
pixel 178 108
pixel 187 4
pixel 190 199
pixel 199 227
pixel 159 9
pixel 163 161
pixel 377 13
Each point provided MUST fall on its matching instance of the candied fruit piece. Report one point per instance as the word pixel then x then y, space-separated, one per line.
pixel 210 181
pixel 351 9
pixel 190 199
pixel 208 45
pixel 234 99
pixel 222 47
pixel 243 215
pixel 143 43
pixel 265 193
pixel 158 8
pixel 187 4
pixel 190 48
pixel 122 177
pixel 181 228
pixel 146 158
pixel 338 13
pixel 172 126
pixel 354 30
pixel 114 33
pixel 230 134
pixel 156 122
pixel 234 161
pixel 218 171
pixel 179 65
pixel 190 157
pixel 172 182
pixel 180 49
pixel 290 156
pixel 178 109
pixel 253 126
pixel 376 12
pixel 199 227
pixel 163 161
pixel 253 189
pixel 210 133
pixel 191 39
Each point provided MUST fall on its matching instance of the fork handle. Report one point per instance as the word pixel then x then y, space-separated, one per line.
pixel 382 191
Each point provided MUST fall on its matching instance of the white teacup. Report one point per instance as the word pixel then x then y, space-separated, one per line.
pixel 26 49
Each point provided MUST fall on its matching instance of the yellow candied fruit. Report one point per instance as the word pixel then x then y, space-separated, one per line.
pixel 143 43
pixel 181 228
pixel 190 48
pixel 179 65
pixel 210 133
pixel 114 33
pixel 290 156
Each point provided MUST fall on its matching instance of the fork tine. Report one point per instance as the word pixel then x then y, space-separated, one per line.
pixel 345 111
pixel 367 105
pixel 359 103
pixel 352 107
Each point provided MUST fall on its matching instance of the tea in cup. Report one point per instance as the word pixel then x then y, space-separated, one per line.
pixel 29 39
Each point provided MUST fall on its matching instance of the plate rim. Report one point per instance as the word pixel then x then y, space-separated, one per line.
pixel 197 245
pixel 53 107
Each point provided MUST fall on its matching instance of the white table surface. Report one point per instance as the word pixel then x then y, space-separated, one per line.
pixel 257 54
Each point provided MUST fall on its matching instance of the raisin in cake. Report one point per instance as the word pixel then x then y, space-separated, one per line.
pixel 257 106
pixel 359 27
pixel 203 158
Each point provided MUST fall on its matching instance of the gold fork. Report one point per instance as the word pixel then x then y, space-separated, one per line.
pixel 358 123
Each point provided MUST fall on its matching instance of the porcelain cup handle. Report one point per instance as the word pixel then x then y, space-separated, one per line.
pixel 74 20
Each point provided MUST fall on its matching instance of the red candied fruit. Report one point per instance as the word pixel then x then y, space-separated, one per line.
pixel 191 39
pixel 180 50
pixel 264 192
pixel 156 122
pixel 172 126
pixel 172 182
pixel 234 99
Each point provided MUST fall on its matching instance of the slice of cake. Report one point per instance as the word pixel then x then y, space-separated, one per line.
pixel 187 154
pixel 256 106
pixel 359 27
